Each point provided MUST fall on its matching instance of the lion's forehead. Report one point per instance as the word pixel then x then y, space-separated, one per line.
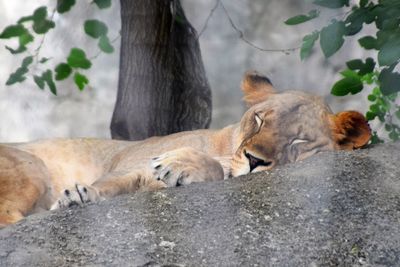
pixel 297 115
pixel 292 107
pixel 295 102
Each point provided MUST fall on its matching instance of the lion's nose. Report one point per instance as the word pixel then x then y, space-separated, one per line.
pixel 254 162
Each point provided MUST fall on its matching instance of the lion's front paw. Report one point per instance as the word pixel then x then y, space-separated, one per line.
pixel 77 195
pixel 172 174
pixel 185 166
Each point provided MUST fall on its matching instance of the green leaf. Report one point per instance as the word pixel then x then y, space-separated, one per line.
pixel 392 98
pixel 40 13
pixel 368 67
pixel 371 98
pixel 347 85
pixel 370 115
pixel 308 44
pixel 43 26
pixel 354 21
pixel 80 80
pixel 102 3
pixel 384 104
pixel 13 31
pixel 385 11
pixel 332 3
pixel 368 42
pixel 331 39
pixel 376 91
pixel 44 60
pixel 95 28
pixel 27 61
pixel 39 81
pixel 349 74
pixel 363 3
pixel 390 52
pixel 390 3
pixel 384 36
pixel 375 139
pixel 77 59
pixel 368 78
pixel 356 18
pixel 389 81
pixel 20 49
pixel 18 76
pixel 302 18
pixel 62 70
pixel 364 68
pixel 355 64
pixel 375 108
pixel 64 5
pixel 105 45
pixel 390 24
pixel 47 76
pixel 24 39
pixel 353 28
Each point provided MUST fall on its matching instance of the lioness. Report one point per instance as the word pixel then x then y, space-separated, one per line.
pixel 276 129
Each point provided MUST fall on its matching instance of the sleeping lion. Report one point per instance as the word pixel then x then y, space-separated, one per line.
pixel 277 128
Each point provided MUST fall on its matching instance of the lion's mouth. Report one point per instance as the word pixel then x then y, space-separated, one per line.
pixel 255 162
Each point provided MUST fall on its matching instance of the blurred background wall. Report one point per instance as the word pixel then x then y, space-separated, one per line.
pixel 27 113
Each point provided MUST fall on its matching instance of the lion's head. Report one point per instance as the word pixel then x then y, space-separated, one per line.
pixel 279 128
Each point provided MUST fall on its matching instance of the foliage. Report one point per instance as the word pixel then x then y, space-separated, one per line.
pixel 378 73
pixel 38 25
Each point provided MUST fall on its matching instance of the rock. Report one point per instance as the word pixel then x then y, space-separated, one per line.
pixel 336 208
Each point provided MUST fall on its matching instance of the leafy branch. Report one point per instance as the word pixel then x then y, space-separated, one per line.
pixel 378 72
pixel 39 24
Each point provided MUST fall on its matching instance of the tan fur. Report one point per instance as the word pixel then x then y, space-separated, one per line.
pixel 24 185
pixel 276 129
pixel 256 88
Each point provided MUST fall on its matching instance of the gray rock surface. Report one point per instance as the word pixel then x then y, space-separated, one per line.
pixel 334 209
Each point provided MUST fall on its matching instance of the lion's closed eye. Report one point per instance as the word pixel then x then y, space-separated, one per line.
pixel 299 141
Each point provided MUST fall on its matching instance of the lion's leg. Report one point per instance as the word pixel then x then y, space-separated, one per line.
pixel 115 184
pixel 110 185
pixel 185 166
pixel 24 185
pixel 9 216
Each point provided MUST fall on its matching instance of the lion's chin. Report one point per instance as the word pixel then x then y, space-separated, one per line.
pixel 242 170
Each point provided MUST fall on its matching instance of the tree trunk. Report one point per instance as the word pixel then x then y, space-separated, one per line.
pixel 162 83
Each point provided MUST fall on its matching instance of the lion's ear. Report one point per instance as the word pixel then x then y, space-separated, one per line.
pixel 350 129
pixel 256 88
